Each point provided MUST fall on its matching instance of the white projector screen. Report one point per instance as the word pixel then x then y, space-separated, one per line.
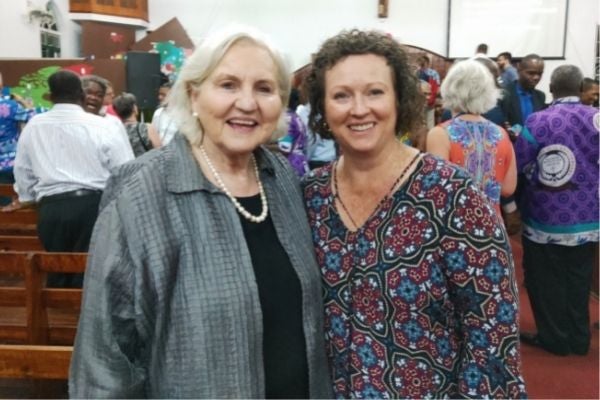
pixel 518 26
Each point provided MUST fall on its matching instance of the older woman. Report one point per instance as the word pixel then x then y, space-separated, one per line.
pixel 421 300
pixel 202 280
pixel 470 140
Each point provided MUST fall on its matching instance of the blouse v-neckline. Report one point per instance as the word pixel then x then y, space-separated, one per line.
pixel 385 200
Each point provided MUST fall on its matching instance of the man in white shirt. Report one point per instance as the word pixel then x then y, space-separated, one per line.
pixel 63 161
pixel 161 120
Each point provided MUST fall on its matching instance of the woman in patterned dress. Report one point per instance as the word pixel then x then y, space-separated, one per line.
pixel 420 294
pixel 475 143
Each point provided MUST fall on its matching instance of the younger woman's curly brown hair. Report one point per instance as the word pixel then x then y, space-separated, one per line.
pixel 409 100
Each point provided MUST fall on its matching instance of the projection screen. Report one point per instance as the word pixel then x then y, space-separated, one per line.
pixel 518 26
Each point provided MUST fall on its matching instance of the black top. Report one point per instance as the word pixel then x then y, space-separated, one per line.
pixel 138 138
pixel 284 349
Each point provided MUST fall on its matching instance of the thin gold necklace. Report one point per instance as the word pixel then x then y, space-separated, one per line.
pixel 336 195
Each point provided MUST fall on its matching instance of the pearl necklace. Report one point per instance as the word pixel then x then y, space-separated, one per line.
pixel 236 203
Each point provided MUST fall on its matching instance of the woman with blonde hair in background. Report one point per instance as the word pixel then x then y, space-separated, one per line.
pixel 475 143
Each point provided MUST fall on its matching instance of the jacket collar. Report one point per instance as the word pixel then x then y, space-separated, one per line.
pixel 567 100
pixel 184 175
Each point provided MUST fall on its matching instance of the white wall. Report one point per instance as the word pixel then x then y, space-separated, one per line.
pixel 21 38
pixel 299 27
pixel 584 16
pixel 70 32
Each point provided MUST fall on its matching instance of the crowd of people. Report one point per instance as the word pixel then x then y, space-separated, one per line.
pixel 367 256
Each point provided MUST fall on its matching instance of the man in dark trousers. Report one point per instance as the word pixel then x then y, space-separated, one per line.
pixel 63 161
pixel 519 101
pixel 558 157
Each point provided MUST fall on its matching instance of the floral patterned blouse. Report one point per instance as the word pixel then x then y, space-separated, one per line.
pixel 11 114
pixel 420 301
pixel 484 150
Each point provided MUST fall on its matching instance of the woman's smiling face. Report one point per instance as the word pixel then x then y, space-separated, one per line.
pixel 360 103
pixel 239 103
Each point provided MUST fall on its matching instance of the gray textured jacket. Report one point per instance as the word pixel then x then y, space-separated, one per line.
pixel 171 306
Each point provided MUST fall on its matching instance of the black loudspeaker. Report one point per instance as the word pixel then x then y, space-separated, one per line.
pixel 143 78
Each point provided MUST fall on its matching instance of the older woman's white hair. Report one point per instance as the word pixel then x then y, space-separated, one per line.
pixel 469 87
pixel 203 62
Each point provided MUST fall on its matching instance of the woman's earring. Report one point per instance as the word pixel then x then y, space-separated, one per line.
pixel 195 114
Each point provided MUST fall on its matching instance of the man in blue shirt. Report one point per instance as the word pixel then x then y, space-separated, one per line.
pixel 521 98
pixel 508 73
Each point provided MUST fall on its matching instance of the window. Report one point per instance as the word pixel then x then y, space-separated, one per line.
pixel 50 44
pixel 49 35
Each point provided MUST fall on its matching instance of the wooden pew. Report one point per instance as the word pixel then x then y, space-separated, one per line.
pixel 34 361
pixel 20 243
pixel 7 190
pixel 20 222
pixel 37 323
pixel 55 312
pixel 13 297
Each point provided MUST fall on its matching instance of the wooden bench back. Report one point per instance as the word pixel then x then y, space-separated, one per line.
pixel 62 304
pixel 34 361
pixel 21 222
pixel 7 190
pixel 30 312
pixel 37 323
pixel 13 297
pixel 20 243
